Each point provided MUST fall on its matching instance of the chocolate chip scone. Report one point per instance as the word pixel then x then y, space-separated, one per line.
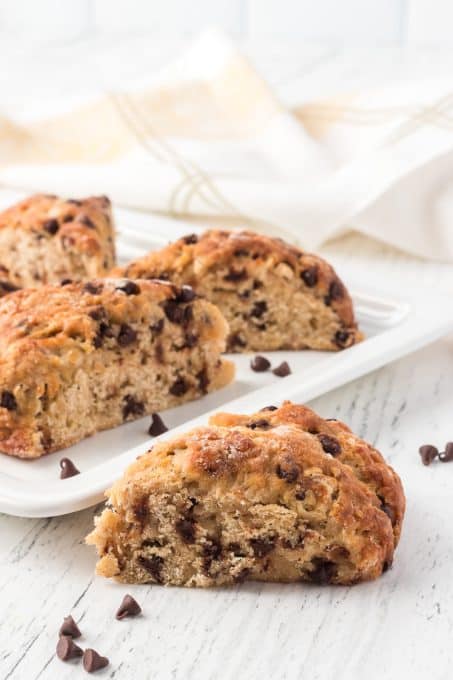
pixel 273 295
pixel 46 239
pixel 83 357
pixel 281 495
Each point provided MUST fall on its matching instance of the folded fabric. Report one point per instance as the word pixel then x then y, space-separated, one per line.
pixel 208 139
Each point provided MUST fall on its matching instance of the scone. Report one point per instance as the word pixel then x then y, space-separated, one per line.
pixel 83 357
pixel 273 295
pixel 46 239
pixel 281 495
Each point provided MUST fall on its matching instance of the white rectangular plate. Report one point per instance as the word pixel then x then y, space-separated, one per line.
pixel 393 328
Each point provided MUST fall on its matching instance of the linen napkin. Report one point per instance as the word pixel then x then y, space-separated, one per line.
pixel 206 139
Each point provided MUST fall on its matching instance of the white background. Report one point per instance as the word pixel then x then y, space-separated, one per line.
pixel 343 22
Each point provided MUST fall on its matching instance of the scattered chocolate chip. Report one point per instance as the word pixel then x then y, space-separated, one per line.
pixel 128 287
pixel 260 364
pixel 190 239
pixel 69 628
pixel 310 276
pixel 153 565
pixel 258 309
pixel 157 426
pixel 203 380
pixel 93 288
pixel 283 370
pixel 323 570
pixel 336 291
pixel 157 327
pixel 211 552
pixel 186 294
pixel 287 470
pixel 67 649
pixel 68 469
pixel 65 282
pixel 51 226
pixel 97 313
pixel 330 444
pixel 386 566
pixel 8 287
pixel 190 340
pixel 132 407
pixel 428 453
pixel 269 408
pixel 341 338
pixel 128 607
pixel 236 340
pixel 257 284
pixel 84 219
pixel 173 311
pixel 262 546
pixel 261 424
pixel 186 529
pixel 8 401
pixel 447 455
pixel 92 661
pixel 300 494
pixel 179 387
pixel 126 336
pixel 235 275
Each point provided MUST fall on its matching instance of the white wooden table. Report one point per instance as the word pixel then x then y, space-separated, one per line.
pixel 398 626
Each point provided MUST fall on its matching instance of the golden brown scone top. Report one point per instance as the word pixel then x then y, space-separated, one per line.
pixel 190 257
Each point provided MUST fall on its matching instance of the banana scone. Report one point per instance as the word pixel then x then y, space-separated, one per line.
pixel 281 495
pixel 84 357
pixel 273 295
pixel 46 239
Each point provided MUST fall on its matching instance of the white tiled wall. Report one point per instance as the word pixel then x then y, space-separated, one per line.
pixel 339 22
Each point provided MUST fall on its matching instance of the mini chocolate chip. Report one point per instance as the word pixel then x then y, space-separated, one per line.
pixel 235 275
pixel 283 370
pixel 203 380
pixel 236 340
pixel 69 628
pixel 153 565
pixel 447 455
pixel 186 529
pixel 92 661
pixel 179 387
pixel 269 408
pixel 262 546
pixel 323 570
pixel 428 453
pixel 157 426
pixel 65 282
pixel 128 607
pixel 287 470
pixel 259 425
pixel 67 649
pixel 260 364
pixel 128 287
pixel 190 239
pixel 68 469
pixel 157 327
pixel 51 226
pixel 258 309
pixel 8 401
pixel 186 294
pixel 310 276
pixel 93 288
pixel 132 407
pixel 84 219
pixel 126 336
pixel 329 444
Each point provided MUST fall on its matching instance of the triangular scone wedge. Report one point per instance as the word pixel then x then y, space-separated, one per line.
pixel 222 504
pixel 273 295
pixel 84 357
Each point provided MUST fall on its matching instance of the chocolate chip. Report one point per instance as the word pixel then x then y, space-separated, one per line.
pixel 141 510
pixel 67 649
pixel 51 226
pixel 84 219
pixel 126 336
pixel 69 628
pixel 186 529
pixel 257 284
pixel 287 470
pixel 157 426
pixel 190 239
pixel 8 287
pixel 179 387
pixel 186 294
pixel 92 661
pixel 323 570
pixel 128 607
pixel 447 455
pixel 310 276
pixel 236 340
pixel 157 327
pixel 258 309
pixel 235 275
pixel 283 370
pixel 8 401
pixel 68 469
pixel 260 364
pixel 190 340
pixel 211 552
pixel 428 453
pixel 329 444
pixel 389 511
pixel 203 380
pixel 259 425
pixel 341 338
pixel 269 408
pixel 93 288
pixel 262 546
pixel 300 494
pixel 132 407
pixel 128 287
pixel 97 313
pixel 153 565
pixel 336 291
pixel 173 311
pixel 65 282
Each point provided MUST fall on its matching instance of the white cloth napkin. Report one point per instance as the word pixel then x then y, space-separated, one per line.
pixel 207 139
